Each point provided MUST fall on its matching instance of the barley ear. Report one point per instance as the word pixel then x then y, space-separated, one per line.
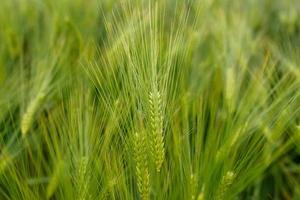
pixel 82 179
pixel 141 162
pixel 28 116
pixel 224 185
pixel 156 136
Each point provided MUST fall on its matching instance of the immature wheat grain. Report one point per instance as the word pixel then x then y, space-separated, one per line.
pixel 141 162
pixel 157 139
pixel 224 185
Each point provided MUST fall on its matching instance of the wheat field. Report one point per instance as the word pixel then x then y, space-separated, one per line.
pixel 150 99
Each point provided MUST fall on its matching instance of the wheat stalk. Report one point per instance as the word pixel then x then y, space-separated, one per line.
pixel 141 161
pixel 156 118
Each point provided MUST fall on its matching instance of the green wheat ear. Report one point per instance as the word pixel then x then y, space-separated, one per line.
pixel 28 116
pixel 82 179
pixel 156 138
pixel 141 162
pixel 224 185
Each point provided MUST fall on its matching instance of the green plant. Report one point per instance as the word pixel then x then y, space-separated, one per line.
pixel 149 100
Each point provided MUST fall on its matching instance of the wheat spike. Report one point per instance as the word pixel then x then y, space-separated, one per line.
pixel 27 118
pixel 141 160
pixel 224 185
pixel 157 139
pixel 82 179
